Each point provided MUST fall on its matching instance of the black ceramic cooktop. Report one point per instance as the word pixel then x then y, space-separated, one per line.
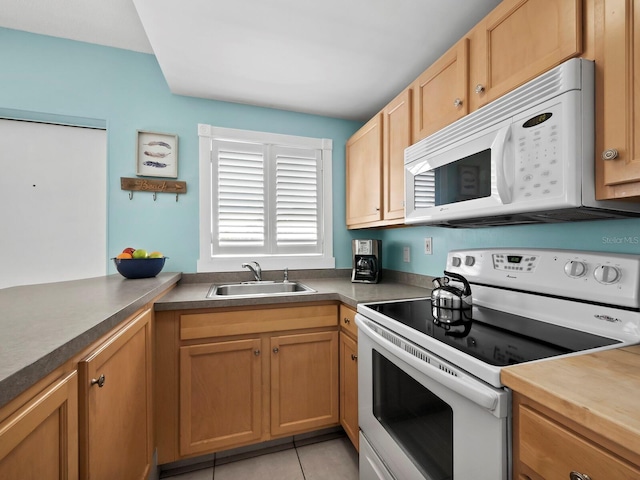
pixel 495 337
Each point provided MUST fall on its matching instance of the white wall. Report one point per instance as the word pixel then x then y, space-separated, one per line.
pixel 53 205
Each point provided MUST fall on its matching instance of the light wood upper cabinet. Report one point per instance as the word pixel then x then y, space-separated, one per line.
pixel 40 440
pixel 364 173
pixel 617 98
pixel 440 92
pixel 375 166
pixel 304 382
pixel 115 421
pixel 519 40
pixel 397 135
pixel 220 395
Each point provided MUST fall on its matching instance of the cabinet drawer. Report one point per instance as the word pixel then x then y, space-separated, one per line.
pixel 553 451
pixel 240 322
pixel 348 320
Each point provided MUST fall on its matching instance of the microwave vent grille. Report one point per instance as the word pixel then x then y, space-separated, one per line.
pixel 548 85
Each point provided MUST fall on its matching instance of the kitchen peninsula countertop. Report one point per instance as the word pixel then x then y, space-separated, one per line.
pixel 42 326
pixel 598 391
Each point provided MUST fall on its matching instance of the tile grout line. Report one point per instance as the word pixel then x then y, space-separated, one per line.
pixel 304 477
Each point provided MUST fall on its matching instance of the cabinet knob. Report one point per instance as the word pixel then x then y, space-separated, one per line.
pixel 354 357
pixel 99 381
pixel 256 352
pixel 457 103
pixel 610 154
pixel 346 320
pixel 479 88
pixel 579 476
pixel 276 349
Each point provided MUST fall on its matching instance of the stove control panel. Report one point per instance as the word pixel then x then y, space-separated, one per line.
pixel 594 276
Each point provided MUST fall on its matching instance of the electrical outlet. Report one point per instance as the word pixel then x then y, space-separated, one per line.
pixel 406 254
pixel 428 246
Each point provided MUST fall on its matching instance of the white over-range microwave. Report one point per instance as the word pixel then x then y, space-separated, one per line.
pixel 527 157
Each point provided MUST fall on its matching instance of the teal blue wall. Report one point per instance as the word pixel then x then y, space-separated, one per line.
pixel 49 78
pixel 618 236
pixel 45 77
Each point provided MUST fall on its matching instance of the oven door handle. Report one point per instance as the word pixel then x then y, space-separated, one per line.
pixel 479 393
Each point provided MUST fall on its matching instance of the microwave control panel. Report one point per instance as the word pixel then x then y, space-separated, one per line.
pixel 538 171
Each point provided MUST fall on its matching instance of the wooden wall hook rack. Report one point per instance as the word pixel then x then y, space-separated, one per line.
pixel 155 186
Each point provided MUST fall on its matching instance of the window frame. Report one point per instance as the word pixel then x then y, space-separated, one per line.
pixel 207 262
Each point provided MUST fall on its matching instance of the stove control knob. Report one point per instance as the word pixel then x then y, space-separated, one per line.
pixel 606 274
pixel 456 262
pixel 469 261
pixel 575 269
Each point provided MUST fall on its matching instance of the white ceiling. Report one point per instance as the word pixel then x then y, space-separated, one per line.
pixel 339 58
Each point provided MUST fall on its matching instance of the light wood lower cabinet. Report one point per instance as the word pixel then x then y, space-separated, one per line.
pixel 223 379
pixel 547 449
pixel 40 440
pixel 115 401
pixel 349 374
pixel 232 377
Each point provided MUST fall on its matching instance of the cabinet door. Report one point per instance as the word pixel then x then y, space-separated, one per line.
pixel 552 452
pixel 364 173
pixel 618 98
pixel 304 382
pixel 220 395
pixel 115 405
pixel 397 136
pixel 40 441
pixel 349 387
pixel 519 40
pixel 440 92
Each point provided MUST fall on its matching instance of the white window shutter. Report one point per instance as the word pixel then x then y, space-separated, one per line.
pixel 297 199
pixel 239 201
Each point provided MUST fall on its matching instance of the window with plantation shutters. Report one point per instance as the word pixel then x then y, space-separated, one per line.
pixel 266 198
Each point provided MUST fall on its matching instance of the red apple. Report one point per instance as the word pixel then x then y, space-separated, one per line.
pixel 129 250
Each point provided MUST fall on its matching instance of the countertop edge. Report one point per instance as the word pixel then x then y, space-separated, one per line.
pixel 19 381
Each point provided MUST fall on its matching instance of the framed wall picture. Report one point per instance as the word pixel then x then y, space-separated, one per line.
pixel 157 155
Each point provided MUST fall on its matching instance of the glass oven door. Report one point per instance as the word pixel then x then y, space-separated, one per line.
pixel 426 419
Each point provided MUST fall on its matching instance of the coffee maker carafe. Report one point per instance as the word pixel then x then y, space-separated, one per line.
pixel 366 261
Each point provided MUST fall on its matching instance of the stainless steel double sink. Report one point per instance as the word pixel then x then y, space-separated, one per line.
pixel 254 289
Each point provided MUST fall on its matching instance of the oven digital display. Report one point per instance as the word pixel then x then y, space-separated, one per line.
pixel 514 258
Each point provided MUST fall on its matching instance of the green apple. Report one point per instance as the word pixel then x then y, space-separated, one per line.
pixel 139 253
pixel 156 255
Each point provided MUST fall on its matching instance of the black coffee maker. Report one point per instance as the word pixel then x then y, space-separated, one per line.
pixel 366 261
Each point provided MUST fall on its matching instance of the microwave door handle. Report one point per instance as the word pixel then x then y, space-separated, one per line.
pixel 500 146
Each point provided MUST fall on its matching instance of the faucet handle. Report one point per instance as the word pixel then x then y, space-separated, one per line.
pixel 286 274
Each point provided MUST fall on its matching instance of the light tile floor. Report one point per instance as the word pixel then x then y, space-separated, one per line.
pixel 334 459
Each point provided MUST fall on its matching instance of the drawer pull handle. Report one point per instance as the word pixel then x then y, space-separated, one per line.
pixel 347 321
pixel 579 476
pixel 276 349
pixel 457 103
pixel 99 381
pixel 354 357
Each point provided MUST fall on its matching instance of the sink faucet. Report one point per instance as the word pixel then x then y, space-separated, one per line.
pixel 255 269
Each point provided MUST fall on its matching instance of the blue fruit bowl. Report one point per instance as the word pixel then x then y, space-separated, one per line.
pixel 139 267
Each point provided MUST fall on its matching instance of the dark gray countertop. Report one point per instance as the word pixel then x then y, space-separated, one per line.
pixel 43 326
pixel 193 295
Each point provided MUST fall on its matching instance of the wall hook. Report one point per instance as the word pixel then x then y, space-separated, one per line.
pixel 176 197
pixel 131 195
pixel 155 195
